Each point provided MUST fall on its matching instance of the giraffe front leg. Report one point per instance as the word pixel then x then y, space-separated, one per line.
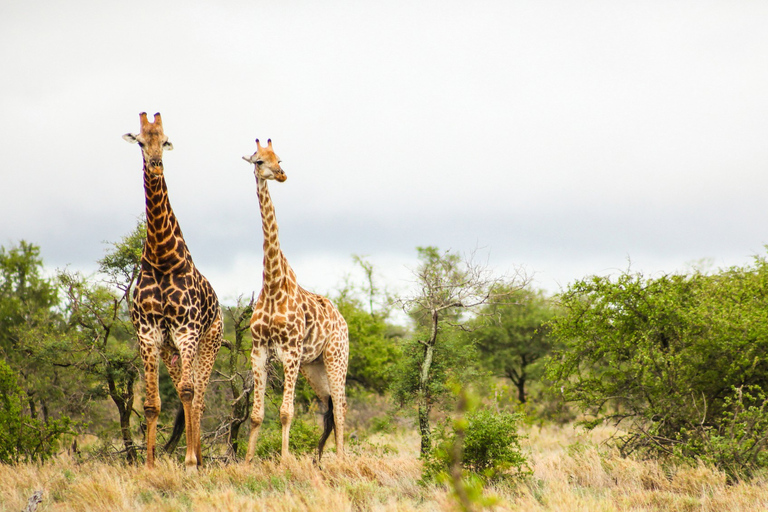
pixel 291 372
pixel 259 358
pixel 206 356
pixel 148 343
pixel 170 357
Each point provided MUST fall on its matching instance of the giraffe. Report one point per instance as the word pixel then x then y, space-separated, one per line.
pixel 304 330
pixel 175 311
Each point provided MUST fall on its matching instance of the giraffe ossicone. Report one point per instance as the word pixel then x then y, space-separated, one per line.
pixel 304 330
pixel 175 311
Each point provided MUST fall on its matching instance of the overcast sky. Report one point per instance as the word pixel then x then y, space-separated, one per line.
pixel 567 137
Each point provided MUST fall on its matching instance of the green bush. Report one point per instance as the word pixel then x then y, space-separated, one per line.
pixel 662 356
pixel 738 444
pixel 490 446
pixel 22 438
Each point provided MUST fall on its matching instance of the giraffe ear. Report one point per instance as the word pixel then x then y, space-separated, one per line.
pixel 167 146
pixel 130 138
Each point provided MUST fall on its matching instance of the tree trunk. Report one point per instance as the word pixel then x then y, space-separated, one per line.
pixel 239 415
pixel 521 389
pixel 234 431
pixel 241 397
pixel 32 407
pixel 423 399
pixel 125 429
pixel 124 403
pixel 519 380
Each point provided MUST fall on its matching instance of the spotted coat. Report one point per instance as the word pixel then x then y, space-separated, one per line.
pixel 175 311
pixel 303 330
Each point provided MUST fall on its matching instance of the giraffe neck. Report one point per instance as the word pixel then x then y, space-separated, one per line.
pixel 276 269
pixel 165 248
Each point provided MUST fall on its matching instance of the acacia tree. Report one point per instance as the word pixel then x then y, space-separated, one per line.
pixel 681 361
pixel 236 374
pixel 448 286
pixel 373 343
pixel 28 301
pixel 99 313
pixel 513 336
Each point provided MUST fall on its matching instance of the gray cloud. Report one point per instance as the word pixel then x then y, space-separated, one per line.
pixel 563 137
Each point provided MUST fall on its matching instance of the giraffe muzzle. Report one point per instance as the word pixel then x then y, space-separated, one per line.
pixel 156 167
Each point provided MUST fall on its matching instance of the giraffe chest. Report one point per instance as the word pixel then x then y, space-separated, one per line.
pixel 175 300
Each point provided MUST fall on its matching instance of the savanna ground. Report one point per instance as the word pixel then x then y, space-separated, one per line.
pixel 572 470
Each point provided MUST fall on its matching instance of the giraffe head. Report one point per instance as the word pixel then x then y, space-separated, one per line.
pixel 152 141
pixel 266 162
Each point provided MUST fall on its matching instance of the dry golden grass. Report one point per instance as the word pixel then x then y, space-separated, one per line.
pixel 576 471
pixel 571 471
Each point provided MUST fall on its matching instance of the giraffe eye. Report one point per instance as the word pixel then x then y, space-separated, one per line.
pixel 259 162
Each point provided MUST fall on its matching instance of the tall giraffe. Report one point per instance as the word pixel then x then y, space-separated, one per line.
pixel 304 330
pixel 175 311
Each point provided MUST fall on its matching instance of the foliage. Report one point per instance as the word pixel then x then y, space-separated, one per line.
pixel 454 361
pixel 662 356
pixel 371 350
pixel 448 287
pixel 304 438
pixel 476 447
pixel 737 444
pixel 512 336
pixel 121 265
pixel 373 345
pixel 23 291
pixel 103 345
pixel 22 438
pixel 491 446
pixel 235 378
pixel 28 302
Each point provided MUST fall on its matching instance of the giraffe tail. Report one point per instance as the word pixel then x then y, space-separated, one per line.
pixel 178 429
pixel 329 425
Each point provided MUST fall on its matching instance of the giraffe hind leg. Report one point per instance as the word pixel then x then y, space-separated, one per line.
pixel 336 361
pixel 170 357
pixel 317 377
pixel 328 426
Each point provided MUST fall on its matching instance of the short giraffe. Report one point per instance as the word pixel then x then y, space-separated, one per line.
pixel 304 330
pixel 175 310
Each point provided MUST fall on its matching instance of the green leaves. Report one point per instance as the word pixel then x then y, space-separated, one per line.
pixel 662 355
pixel 512 336
pixel 23 438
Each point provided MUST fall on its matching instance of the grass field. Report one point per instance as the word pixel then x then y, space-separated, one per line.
pixel 572 471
